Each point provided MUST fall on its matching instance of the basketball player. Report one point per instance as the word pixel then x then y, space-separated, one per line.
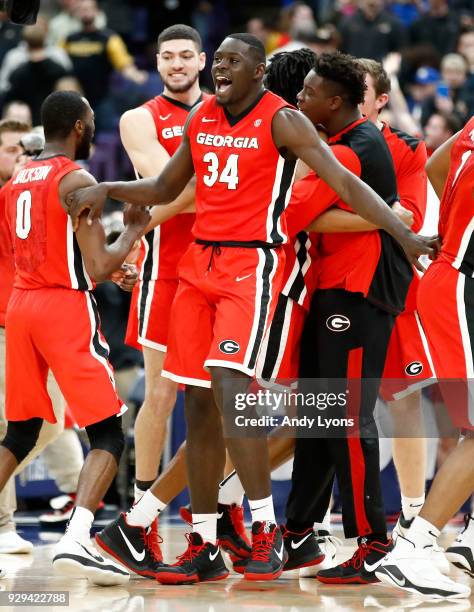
pixel 447 288
pixel 52 323
pixel 362 284
pixel 11 134
pixel 229 279
pixel 150 135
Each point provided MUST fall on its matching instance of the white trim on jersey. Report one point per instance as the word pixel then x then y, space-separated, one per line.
pixel 232 365
pixel 70 253
pixel 466 237
pixel 95 332
pixel 296 269
pixel 196 382
pixel 275 193
pixel 466 342
pixel 424 341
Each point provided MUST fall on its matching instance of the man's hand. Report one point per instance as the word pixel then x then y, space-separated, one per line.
pixel 126 278
pixel 403 214
pixel 137 217
pixel 415 246
pixel 92 198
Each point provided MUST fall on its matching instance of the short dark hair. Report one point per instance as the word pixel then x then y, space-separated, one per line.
pixel 254 43
pixel 180 32
pixel 286 72
pixel 60 111
pixel 379 76
pixel 346 72
pixel 452 122
pixel 12 125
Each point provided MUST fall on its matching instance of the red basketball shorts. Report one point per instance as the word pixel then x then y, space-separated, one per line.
pixel 150 309
pixel 224 303
pixel 446 309
pixel 408 365
pixel 280 355
pixel 57 329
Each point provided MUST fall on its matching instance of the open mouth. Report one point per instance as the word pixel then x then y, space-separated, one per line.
pixel 223 84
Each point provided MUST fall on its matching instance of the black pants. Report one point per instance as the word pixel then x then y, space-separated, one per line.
pixel 345 337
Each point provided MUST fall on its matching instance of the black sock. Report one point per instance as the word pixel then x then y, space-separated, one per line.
pixel 296 527
pixel 144 485
pixel 374 537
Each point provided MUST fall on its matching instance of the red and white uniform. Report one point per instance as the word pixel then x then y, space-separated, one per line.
pixel 162 247
pixel 408 365
pixel 446 293
pixel 231 276
pixel 52 320
pixel 7 266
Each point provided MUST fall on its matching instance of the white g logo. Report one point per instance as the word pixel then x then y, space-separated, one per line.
pixel 338 323
pixel 414 368
pixel 229 347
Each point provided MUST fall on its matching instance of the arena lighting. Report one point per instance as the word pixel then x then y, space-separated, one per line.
pixel 22 12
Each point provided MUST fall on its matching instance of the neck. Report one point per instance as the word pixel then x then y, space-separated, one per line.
pixel 58 147
pixel 341 120
pixel 241 105
pixel 188 97
pixel 89 27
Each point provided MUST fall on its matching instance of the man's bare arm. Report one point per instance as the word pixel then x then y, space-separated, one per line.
pixel 437 166
pixel 294 132
pixel 100 259
pixel 337 220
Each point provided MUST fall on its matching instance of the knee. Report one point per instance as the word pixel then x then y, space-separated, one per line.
pixel 107 435
pixel 200 408
pixel 161 397
pixel 21 437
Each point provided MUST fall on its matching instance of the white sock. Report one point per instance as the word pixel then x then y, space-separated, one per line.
pixel 137 494
pixel 206 525
pixel 231 490
pixel 325 525
pixel 80 523
pixel 143 513
pixel 422 533
pixel 411 506
pixel 262 509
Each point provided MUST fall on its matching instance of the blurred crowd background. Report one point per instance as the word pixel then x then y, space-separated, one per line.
pixel 106 49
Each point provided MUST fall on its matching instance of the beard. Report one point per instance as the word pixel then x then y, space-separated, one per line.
pixel 84 147
pixel 183 87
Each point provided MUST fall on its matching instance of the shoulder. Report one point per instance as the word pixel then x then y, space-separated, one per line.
pixel 76 178
pixel 139 117
pixel 396 135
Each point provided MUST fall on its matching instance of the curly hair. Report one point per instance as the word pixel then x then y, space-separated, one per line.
pixel 345 72
pixel 286 71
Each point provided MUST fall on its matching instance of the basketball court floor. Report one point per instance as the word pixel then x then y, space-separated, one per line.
pixel 34 573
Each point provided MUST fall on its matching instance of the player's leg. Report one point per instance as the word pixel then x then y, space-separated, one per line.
pixel 410 564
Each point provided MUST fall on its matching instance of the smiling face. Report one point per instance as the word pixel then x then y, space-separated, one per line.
pixel 235 71
pixel 179 63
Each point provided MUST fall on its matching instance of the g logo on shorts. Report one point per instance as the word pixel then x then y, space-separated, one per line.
pixel 338 323
pixel 229 347
pixel 414 368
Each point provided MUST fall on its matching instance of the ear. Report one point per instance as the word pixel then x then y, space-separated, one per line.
pixel 79 127
pixel 335 103
pixel 381 101
pixel 202 61
pixel 259 71
pixel 158 62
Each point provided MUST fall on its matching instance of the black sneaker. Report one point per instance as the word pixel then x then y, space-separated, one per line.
pixel 302 548
pixel 268 552
pixel 202 559
pixel 461 551
pixel 231 533
pixel 132 547
pixel 360 568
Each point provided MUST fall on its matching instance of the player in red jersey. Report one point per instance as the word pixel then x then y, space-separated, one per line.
pixel 229 279
pixel 52 323
pixel 445 302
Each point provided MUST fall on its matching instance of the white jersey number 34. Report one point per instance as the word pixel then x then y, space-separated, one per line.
pixel 229 174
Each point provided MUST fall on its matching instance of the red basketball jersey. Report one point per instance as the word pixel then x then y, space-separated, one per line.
pixel 45 248
pixel 456 216
pixel 7 265
pixel 242 183
pixel 163 247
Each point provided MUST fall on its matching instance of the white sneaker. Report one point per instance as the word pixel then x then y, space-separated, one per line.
pixel 83 560
pixel 461 551
pixel 12 543
pixel 62 507
pixel 438 556
pixel 328 545
pixel 412 569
